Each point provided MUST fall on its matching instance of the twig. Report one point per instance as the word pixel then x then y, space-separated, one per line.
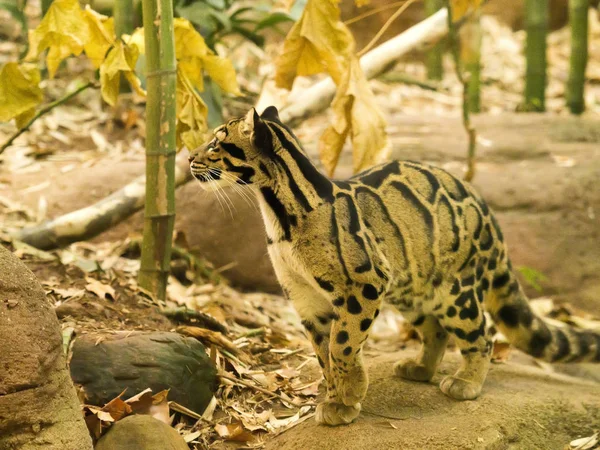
pixel 395 77
pixel 471 132
pixel 259 389
pixel 374 11
pixel 184 314
pixel 385 26
pixel 45 110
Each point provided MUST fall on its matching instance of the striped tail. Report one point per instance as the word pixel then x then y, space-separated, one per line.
pixel 510 310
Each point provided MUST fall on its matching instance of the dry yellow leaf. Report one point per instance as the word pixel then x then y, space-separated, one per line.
pixel 191 114
pixel 63 30
pixel 355 114
pixel 121 59
pixel 19 92
pixel 461 7
pixel 101 35
pixel 222 72
pixel 361 3
pixel 318 42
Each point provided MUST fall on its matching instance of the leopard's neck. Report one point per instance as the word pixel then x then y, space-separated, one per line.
pixel 295 188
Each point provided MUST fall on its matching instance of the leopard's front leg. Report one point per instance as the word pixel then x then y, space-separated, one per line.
pixel 356 309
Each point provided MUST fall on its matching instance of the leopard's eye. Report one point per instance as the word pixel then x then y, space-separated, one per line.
pixel 212 150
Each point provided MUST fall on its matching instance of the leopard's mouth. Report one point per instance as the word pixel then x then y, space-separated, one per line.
pixel 209 177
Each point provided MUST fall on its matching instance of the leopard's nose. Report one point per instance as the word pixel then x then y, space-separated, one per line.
pixel 191 158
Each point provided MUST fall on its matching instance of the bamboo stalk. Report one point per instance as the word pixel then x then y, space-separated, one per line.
pixel 434 57
pixel 471 36
pixel 536 18
pixel 455 45
pixel 578 20
pixel 160 146
pixel 123 14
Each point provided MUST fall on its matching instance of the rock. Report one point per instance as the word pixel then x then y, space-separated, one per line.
pixel 104 365
pixel 141 432
pixel 39 408
pixel 521 407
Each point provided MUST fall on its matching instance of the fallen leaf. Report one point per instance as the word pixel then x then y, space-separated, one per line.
pixel 585 443
pixel 100 289
pixel 233 432
pixel 501 351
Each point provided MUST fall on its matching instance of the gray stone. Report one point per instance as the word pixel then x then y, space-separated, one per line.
pixel 141 432
pixel 104 365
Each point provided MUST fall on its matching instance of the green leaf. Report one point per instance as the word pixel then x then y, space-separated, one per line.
pixel 272 20
pixel 532 277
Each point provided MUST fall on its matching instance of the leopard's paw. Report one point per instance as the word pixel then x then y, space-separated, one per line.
pixel 352 386
pixel 410 369
pixel 333 413
pixel 459 388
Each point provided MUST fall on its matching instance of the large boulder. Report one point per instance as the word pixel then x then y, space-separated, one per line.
pixel 39 408
pixel 104 365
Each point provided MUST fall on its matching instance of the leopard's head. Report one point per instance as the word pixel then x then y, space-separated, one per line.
pixel 240 152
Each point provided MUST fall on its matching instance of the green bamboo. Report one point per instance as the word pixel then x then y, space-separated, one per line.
pixel 123 14
pixel 434 57
pixel 471 37
pixel 578 20
pixel 45 5
pixel 536 19
pixel 159 209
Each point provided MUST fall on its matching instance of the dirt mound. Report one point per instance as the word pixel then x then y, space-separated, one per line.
pixel 522 407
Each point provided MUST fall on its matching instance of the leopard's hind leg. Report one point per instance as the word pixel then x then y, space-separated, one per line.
pixel 435 339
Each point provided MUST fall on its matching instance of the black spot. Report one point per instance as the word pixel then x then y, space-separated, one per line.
pixel 269 240
pixel 485 284
pixel 539 341
pixel 468 304
pixel 509 315
pixel 472 253
pixel 479 271
pixel 501 280
pixel 347 350
pixel 339 301
pixel 419 321
pixel 455 288
pixel 334 316
pixel 492 264
pixel 380 273
pixel 451 311
pixel 319 339
pixel 321 363
pixel 342 184
pixel 308 325
pixel 353 305
pixel 342 337
pixel 376 313
pixel 364 267
pixel 365 324
pixel 437 280
pixel 285 219
pixel 486 240
pixel 476 334
pixel 369 292
pixel 324 284
pixel 469 281
pixel 323 319
pixel 264 170
pixel 585 341
pixel 563 345
pixel 497 229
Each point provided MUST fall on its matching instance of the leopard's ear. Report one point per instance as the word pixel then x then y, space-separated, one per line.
pixel 259 132
pixel 271 113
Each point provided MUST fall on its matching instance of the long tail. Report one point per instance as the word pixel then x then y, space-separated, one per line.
pixel 510 310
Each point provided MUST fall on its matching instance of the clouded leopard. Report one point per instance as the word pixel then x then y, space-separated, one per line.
pixel 403 232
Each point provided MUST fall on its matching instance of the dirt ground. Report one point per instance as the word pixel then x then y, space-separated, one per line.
pixel 522 407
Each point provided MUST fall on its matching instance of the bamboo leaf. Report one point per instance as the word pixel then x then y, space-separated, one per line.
pixel 63 30
pixel 19 92
pixel 101 35
pixel 357 115
pixel 120 59
pixel 318 42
